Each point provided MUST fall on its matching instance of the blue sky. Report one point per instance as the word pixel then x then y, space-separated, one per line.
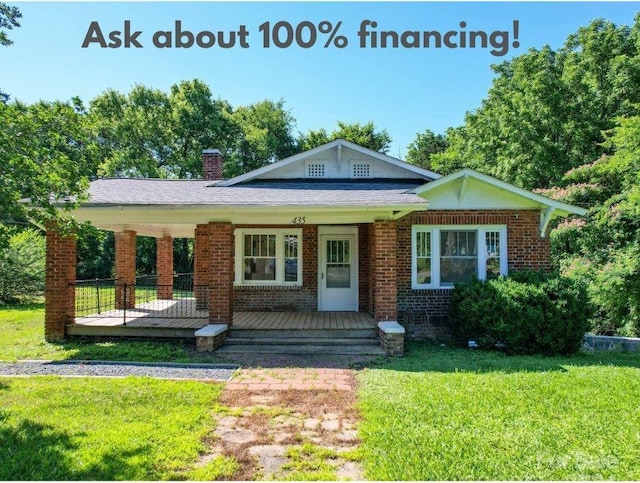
pixel 402 90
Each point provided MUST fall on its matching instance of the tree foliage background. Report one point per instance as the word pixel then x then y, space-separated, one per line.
pixel 565 122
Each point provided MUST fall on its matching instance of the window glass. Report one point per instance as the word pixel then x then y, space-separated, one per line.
pixel 423 257
pixel 458 257
pixel 492 239
pixel 290 258
pixel 260 257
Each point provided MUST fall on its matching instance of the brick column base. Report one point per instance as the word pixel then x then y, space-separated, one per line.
pixel 59 284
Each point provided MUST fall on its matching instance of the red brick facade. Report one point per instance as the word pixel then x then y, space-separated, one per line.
pixel 201 266
pixel 221 244
pixel 384 270
pixel 425 312
pixel 164 267
pixel 125 269
pixel 60 278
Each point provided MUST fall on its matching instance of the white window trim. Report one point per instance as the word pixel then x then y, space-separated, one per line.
pixel 239 234
pixel 434 230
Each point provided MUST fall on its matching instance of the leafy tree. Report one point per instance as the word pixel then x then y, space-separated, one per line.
pixel 8 20
pixel 149 133
pixel 426 145
pixel 604 250
pixel 546 110
pixel 46 157
pixel 264 134
pixel 22 266
pixel 363 134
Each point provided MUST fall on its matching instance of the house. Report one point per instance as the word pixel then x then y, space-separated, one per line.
pixel 336 229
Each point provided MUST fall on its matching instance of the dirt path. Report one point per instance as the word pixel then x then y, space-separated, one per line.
pixel 285 423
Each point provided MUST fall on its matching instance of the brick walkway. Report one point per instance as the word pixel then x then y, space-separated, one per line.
pixel 292 378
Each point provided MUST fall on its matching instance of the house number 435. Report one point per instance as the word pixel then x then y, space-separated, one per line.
pixel 299 220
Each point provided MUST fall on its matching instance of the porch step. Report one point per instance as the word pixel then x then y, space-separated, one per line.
pixel 305 333
pixel 303 341
pixel 300 349
pixel 315 341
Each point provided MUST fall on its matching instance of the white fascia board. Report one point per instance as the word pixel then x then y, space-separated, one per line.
pixel 561 209
pixel 256 173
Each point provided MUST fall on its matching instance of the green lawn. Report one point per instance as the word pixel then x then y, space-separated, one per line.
pixel 22 337
pixel 106 429
pixel 454 414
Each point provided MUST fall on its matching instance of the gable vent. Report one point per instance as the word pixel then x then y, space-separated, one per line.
pixel 316 170
pixel 361 170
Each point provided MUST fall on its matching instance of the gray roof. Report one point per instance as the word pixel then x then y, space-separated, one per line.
pixel 138 191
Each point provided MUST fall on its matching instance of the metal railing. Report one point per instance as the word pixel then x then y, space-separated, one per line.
pixel 109 298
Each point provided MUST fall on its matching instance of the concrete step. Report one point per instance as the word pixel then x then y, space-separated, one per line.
pixel 300 350
pixel 312 333
pixel 312 341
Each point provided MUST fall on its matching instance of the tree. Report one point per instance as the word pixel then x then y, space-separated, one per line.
pixel 22 266
pixel 604 250
pixel 546 110
pixel 365 135
pixel 264 134
pixel 426 145
pixel 46 158
pixel 8 20
pixel 149 133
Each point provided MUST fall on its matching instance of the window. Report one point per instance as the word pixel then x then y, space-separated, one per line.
pixel 445 255
pixel 315 170
pixel 268 257
pixel 361 169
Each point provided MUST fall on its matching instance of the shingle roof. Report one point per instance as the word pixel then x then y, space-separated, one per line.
pixel 137 191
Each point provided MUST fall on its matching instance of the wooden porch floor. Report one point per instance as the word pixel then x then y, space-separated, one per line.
pixel 165 317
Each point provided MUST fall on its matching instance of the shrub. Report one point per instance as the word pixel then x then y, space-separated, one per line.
pixel 22 266
pixel 526 313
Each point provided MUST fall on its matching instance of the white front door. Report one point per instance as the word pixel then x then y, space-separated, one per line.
pixel 338 272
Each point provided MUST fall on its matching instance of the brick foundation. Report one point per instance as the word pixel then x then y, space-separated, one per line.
pixel 164 267
pixel 125 269
pixel 60 279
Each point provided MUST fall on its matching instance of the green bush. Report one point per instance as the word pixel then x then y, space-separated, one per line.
pixel 526 313
pixel 22 266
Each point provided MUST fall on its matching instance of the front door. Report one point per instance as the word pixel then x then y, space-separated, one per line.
pixel 338 277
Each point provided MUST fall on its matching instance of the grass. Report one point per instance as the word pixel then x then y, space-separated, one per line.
pixel 22 337
pixel 106 429
pixel 455 414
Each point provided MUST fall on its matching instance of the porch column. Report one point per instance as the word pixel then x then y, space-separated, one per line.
pixel 221 287
pixel 201 267
pixel 164 267
pixel 384 271
pixel 125 269
pixel 60 280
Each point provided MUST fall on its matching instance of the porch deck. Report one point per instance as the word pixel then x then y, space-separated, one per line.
pixel 179 318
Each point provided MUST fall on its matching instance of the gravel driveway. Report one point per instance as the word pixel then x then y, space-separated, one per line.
pixel 204 372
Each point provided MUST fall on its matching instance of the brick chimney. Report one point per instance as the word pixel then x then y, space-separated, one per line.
pixel 212 164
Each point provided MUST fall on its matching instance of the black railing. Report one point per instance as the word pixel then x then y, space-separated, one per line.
pixel 144 298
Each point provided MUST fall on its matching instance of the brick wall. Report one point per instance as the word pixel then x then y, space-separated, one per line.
pixel 60 266
pixel 125 269
pixel 385 263
pixel 164 267
pixel 364 269
pixel 221 248
pixel 425 312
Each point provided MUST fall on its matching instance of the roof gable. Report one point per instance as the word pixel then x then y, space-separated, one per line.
pixel 469 189
pixel 338 159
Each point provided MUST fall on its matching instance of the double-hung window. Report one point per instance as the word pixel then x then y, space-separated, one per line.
pixel 445 255
pixel 268 256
